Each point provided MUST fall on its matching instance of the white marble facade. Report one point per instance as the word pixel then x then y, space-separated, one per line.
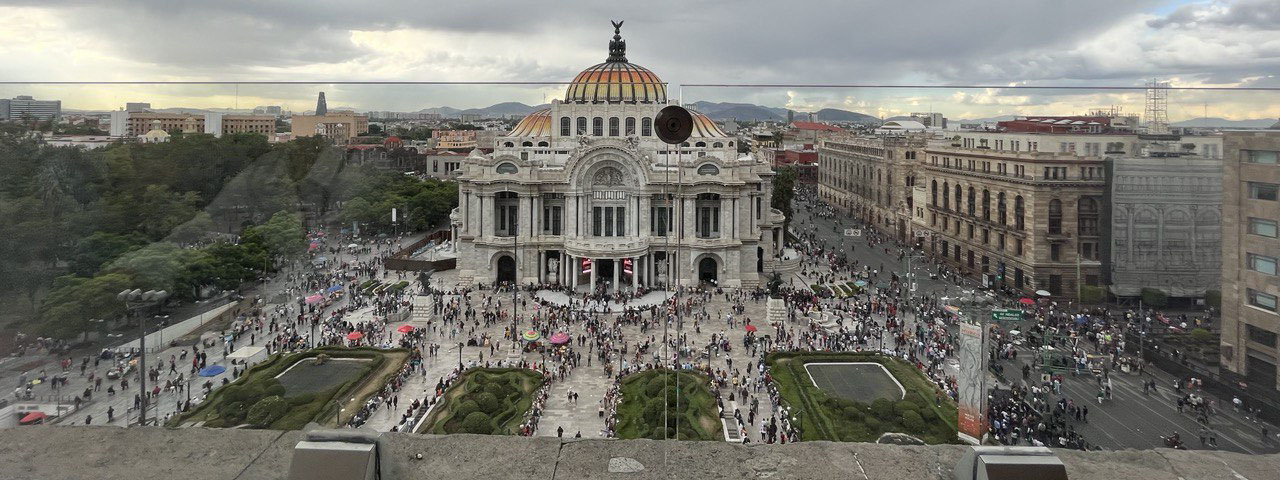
pixel 579 193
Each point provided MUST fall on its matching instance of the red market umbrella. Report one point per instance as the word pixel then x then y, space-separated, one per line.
pixel 32 418
pixel 751 328
pixel 314 298
pixel 355 335
pixel 405 329
pixel 1026 301
pixel 559 338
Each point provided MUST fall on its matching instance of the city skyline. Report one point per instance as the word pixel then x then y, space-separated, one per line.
pixel 1089 44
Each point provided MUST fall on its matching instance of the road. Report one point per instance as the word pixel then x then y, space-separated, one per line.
pixel 1129 420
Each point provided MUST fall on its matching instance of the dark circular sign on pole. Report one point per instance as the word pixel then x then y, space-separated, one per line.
pixel 674 124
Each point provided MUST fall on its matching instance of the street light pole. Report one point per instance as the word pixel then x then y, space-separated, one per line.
pixel 139 298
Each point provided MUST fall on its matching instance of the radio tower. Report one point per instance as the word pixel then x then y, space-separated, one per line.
pixel 1157 111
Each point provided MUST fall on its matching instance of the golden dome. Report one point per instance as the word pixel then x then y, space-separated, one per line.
pixel 616 80
pixel 704 127
pixel 536 124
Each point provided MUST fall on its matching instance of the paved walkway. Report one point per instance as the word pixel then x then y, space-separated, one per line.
pixel 645 301
pixel 581 416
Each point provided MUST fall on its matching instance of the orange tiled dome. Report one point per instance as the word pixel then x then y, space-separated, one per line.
pixel 616 80
pixel 536 124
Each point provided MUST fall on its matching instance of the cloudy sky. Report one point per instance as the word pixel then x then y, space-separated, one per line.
pixel 1081 43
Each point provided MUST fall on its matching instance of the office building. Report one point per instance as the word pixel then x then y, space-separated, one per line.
pixel 135 124
pixel 1250 254
pixel 25 108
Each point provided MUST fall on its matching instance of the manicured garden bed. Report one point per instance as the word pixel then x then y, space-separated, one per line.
pixel 259 400
pixel 485 401
pixel 922 412
pixel 651 396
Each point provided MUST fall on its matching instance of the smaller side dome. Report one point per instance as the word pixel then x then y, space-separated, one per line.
pixel 536 124
pixel 704 127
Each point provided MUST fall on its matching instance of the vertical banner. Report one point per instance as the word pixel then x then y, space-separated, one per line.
pixel 393 215
pixel 972 383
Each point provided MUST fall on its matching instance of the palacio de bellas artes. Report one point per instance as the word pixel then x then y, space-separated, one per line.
pixel 584 195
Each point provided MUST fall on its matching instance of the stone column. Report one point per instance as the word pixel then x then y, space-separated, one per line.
pixel 635 272
pixel 572 266
pixel 617 273
pixel 542 266
pixel 594 269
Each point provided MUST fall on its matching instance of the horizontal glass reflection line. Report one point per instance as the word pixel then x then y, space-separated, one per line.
pixel 1014 87
pixel 703 85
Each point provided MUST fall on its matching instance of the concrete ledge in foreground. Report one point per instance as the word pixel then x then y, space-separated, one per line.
pixel 52 452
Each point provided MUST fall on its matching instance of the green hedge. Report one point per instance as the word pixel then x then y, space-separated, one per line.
pixel 235 403
pixel 827 417
pixel 486 401
pixel 652 397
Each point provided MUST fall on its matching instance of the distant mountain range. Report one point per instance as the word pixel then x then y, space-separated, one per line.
pixel 739 111
pixel 837 115
pixel 1212 122
pixel 752 112
pixel 492 111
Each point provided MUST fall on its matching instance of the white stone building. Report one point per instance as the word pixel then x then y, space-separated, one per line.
pixel 584 193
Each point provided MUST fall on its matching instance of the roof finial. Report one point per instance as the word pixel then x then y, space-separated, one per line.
pixel 618 46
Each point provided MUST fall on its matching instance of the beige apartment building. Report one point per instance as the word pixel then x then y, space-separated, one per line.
pixel 1250 249
pixel 341 126
pixel 134 124
pixel 871 178
pixel 1022 219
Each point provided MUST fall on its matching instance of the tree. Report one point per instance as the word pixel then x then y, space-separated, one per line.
pixel 157 266
pixel 283 235
pixel 1154 297
pixel 90 253
pixel 73 301
pixel 193 230
pixel 784 185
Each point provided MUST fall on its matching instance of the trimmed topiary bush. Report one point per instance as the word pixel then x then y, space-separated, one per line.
pixel 267 410
pixel 912 422
pixel 488 403
pixel 233 413
pixel 477 422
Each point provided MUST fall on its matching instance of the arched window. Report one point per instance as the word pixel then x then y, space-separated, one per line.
pixel 597 126
pixel 582 126
pixel 543 144
pixel 717 145
pixel 708 169
pixel 959 197
pixel 972 202
pixel 565 125
pixel 613 126
pixel 631 126
pixel 730 144
pixel 986 205
pixel 646 127
pixel 700 144
pixel 933 190
pixel 1055 216
pixel 1019 213
pixel 1000 208
pixel 508 144
pixel 946 196
pixel 526 144
pixel 507 167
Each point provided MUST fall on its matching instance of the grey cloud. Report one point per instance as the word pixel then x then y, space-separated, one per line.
pixel 1258 14
pixel 717 41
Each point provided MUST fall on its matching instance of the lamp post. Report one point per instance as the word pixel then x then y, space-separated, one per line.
pixel 132 300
